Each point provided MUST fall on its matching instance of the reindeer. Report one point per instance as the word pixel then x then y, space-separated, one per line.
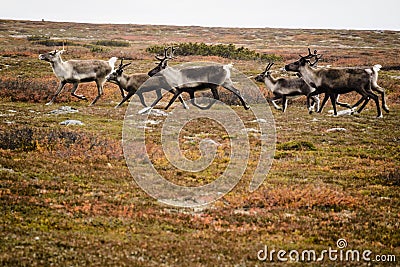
pixel 284 87
pixel 78 71
pixel 193 79
pixel 131 84
pixel 163 64
pixel 373 71
pixel 334 81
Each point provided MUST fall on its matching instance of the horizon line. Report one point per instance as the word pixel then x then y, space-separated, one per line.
pixel 202 26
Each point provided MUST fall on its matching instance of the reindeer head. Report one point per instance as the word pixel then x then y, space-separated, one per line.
pixel 51 56
pixel 295 66
pixel 261 77
pixel 113 76
pixel 163 61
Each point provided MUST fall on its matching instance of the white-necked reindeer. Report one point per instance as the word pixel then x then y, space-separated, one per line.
pixel 78 71
pixel 282 88
pixel 192 79
pixel 334 81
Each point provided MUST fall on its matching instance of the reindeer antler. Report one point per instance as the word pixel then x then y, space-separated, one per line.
pixel 312 55
pixel 171 55
pixel 317 58
pixel 121 66
pixel 165 54
pixel 269 66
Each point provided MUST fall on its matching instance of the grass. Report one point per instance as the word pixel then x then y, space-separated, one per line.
pixel 67 197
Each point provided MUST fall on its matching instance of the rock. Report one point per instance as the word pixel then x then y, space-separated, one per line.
pixel 251 130
pixel 71 122
pixel 152 112
pixel 338 129
pixel 64 110
pixel 259 120
pixel 343 112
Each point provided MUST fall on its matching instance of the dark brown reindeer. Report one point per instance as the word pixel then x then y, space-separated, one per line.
pixel 334 81
pixel 282 88
pixel 78 71
pixel 373 71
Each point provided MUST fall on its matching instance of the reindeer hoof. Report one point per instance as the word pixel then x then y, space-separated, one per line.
pixel 380 117
pixel 386 109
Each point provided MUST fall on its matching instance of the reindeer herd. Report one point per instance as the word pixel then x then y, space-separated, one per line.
pixel 311 81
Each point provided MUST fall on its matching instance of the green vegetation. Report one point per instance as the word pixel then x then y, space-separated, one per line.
pixel 115 43
pixel 47 41
pixel 221 50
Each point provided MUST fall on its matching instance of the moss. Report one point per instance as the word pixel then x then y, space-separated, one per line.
pixel 297 145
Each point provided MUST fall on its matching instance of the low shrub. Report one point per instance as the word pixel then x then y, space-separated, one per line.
pixel 28 90
pixel 222 50
pixel 64 143
pixel 47 41
pixel 296 145
pixel 113 43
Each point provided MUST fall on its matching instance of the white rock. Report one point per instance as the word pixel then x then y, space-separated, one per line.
pixel 337 129
pixel 71 122
pixel 64 110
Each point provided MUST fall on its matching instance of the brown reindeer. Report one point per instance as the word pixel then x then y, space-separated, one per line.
pixel 334 81
pixel 282 88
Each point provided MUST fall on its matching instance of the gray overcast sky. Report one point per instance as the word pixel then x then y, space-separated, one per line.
pixel 333 14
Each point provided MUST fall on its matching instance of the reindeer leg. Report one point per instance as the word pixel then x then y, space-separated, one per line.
pixel 214 91
pixel 333 101
pixel 122 91
pixel 345 105
pixel 191 93
pixel 183 102
pixel 81 97
pixel 381 91
pixel 229 86
pixel 130 93
pixel 365 99
pixel 376 99
pixel 284 103
pixel 140 95
pixel 159 97
pixel 273 101
pixel 59 89
pixel 326 96
pixel 99 91
pixel 316 102
pixel 176 94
